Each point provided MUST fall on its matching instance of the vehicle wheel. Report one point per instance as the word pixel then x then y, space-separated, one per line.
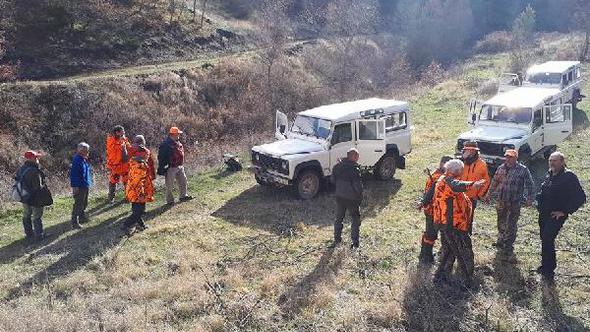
pixel 575 99
pixel 307 184
pixel 385 168
pixel 524 158
pixel 261 181
pixel 548 153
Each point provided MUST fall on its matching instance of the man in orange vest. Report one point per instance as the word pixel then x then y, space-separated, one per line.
pixel 140 188
pixel 452 211
pixel 475 169
pixel 117 146
pixel 430 233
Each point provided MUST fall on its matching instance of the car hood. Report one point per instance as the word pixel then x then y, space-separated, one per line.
pixel 493 134
pixel 288 147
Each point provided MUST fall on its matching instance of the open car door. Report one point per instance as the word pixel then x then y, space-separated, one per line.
pixel 370 141
pixel 558 123
pixel 472 111
pixel 281 125
pixel 509 81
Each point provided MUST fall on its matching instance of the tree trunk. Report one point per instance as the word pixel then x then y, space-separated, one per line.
pixel 584 54
pixel 195 11
pixel 203 10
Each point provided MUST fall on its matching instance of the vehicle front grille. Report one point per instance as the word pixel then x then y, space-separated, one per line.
pixel 491 149
pixel 269 163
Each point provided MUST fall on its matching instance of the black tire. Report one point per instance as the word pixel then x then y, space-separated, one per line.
pixel 307 185
pixel 386 167
pixel 548 153
pixel 524 158
pixel 575 99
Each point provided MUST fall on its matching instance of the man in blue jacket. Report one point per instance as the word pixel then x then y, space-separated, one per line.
pixel 81 181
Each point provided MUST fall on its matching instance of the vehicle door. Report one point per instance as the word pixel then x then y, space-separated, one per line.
pixel 341 141
pixel 370 141
pixel 536 139
pixel 281 125
pixel 557 123
pixel 397 131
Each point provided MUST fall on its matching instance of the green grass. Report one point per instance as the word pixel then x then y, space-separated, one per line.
pixel 242 257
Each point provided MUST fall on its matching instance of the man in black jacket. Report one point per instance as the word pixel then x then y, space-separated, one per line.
pixel 33 181
pixel 561 195
pixel 346 176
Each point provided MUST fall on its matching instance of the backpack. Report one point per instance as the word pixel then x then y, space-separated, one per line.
pixel 20 192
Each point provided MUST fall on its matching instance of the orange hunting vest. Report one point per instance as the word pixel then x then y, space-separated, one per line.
pixel 428 210
pixel 462 208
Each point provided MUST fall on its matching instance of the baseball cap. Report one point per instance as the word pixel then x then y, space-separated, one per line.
pixel 511 153
pixel 32 154
pixel 175 130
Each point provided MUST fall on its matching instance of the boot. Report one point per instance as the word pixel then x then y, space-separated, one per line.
pixel 112 188
pixel 76 223
pixel 28 227
pixel 426 255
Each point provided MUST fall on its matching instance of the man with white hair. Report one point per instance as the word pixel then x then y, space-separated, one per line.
pixel 346 176
pixel 452 211
pixel 561 195
pixel 81 181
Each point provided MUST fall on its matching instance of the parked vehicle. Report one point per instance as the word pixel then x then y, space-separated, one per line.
pixel 305 152
pixel 565 76
pixel 532 120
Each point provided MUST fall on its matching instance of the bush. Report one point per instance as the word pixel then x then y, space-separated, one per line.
pixel 495 42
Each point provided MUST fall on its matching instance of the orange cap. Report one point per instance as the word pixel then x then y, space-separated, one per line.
pixel 511 153
pixel 175 130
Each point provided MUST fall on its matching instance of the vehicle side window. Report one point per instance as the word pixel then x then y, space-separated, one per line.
pixel 537 119
pixel 578 73
pixel 564 80
pixel 342 133
pixel 395 122
pixel 369 130
pixel 556 113
pixel 570 76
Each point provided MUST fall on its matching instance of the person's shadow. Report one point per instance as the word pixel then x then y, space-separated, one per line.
pixel 423 300
pixel 510 281
pixel 303 293
pixel 553 311
pixel 278 211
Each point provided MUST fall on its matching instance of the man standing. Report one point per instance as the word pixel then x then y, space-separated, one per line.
pixel 561 195
pixel 170 164
pixel 140 188
pixel 81 181
pixel 117 159
pixel 32 180
pixel 430 233
pixel 346 176
pixel 475 169
pixel 452 216
pixel 508 186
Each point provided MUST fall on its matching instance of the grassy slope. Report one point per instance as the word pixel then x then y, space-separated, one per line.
pixel 242 257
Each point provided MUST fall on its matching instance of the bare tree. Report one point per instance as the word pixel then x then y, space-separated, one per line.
pixel 582 20
pixel 203 10
pixel 523 39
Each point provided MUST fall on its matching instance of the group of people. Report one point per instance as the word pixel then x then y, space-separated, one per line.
pixel 128 163
pixel 451 195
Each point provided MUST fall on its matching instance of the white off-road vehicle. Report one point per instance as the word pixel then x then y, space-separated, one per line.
pixel 306 152
pixel 531 120
pixel 565 76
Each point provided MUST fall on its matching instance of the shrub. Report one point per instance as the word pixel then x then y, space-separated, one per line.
pixel 495 42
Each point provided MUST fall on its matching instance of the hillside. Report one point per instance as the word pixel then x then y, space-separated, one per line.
pixel 245 258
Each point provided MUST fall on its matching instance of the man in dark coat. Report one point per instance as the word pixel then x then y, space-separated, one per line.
pixel 561 195
pixel 32 180
pixel 81 181
pixel 346 176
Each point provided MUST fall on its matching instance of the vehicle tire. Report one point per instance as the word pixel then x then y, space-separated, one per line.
pixel 385 168
pixel 307 185
pixel 575 99
pixel 262 182
pixel 548 153
pixel 524 158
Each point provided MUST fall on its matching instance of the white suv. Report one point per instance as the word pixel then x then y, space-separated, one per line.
pixel 305 153
pixel 531 120
pixel 565 76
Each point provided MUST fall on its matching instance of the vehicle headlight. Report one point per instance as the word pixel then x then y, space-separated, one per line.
pixel 255 156
pixel 285 165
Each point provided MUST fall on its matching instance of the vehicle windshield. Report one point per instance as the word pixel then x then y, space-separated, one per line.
pixel 543 78
pixel 505 114
pixel 312 127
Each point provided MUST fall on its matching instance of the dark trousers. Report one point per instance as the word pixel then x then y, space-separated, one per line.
pixel 455 245
pixel 137 211
pixel 353 208
pixel 80 204
pixel 473 206
pixel 549 228
pixel 430 233
pixel 508 213
pixel 32 220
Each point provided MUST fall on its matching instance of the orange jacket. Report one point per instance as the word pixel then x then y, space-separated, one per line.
pixel 474 172
pixel 451 207
pixel 116 162
pixel 140 186
pixel 150 160
pixel 427 205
